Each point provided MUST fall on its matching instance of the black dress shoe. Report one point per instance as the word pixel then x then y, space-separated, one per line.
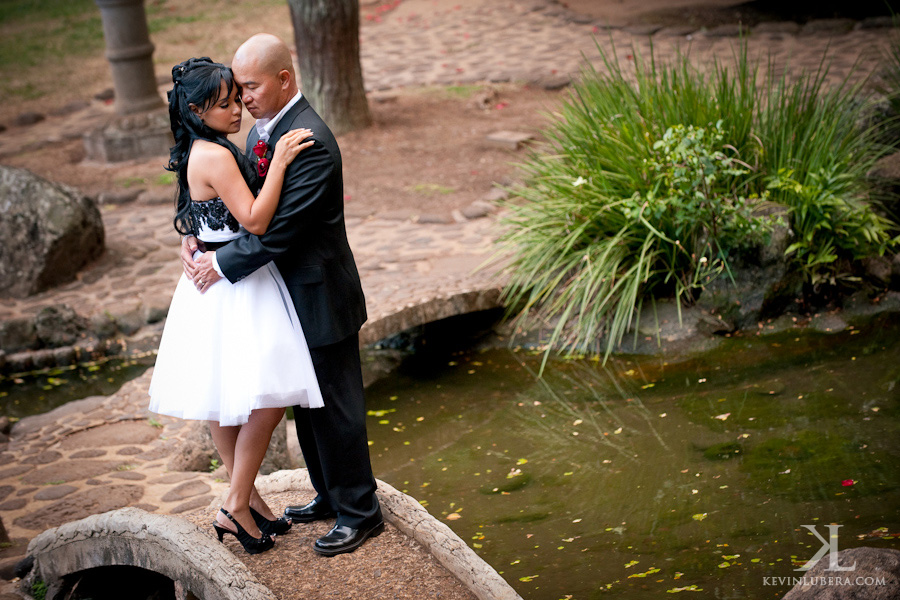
pixel 346 539
pixel 313 511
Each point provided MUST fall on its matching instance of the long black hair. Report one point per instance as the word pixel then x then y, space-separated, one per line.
pixel 197 81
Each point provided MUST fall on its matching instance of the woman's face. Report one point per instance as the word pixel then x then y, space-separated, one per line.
pixel 224 115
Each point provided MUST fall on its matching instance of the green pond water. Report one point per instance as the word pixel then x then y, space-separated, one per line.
pixel 26 394
pixel 641 479
pixel 638 479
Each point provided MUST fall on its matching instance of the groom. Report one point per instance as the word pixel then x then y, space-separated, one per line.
pixel 307 240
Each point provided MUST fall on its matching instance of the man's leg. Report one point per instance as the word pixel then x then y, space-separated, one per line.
pixel 333 438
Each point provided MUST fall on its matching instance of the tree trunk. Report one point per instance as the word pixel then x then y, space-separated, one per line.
pixel 326 33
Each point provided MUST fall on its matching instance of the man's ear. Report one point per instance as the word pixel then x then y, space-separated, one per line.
pixel 285 78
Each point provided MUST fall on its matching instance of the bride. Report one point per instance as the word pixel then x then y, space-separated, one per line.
pixel 234 354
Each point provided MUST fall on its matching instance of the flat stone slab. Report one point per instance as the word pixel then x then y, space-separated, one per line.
pixel 512 140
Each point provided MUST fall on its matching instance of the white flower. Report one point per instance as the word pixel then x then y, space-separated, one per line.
pixel 579 181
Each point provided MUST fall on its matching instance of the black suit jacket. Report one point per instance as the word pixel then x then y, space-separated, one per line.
pixel 307 237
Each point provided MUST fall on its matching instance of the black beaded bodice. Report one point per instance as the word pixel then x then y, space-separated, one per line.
pixel 213 215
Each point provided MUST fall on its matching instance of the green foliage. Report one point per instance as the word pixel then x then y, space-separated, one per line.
pixel 829 222
pixel 651 186
pixel 214 464
pixel 37 31
pixel 39 589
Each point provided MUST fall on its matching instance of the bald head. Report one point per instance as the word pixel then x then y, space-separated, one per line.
pixel 265 71
pixel 267 52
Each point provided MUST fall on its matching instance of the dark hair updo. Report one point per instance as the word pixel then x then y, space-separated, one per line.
pixel 198 82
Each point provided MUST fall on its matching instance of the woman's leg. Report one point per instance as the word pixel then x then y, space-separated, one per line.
pixel 225 439
pixel 251 443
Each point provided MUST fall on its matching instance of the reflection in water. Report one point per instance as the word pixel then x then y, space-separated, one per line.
pixel 27 394
pixel 641 477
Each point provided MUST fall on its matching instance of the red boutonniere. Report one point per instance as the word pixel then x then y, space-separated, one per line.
pixel 262 164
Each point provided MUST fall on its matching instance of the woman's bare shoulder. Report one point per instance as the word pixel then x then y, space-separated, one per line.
pixel 204 151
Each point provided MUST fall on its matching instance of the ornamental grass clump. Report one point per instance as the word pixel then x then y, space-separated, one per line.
pixel 651 183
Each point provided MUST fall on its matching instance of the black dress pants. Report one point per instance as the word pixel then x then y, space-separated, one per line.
pixel 333 438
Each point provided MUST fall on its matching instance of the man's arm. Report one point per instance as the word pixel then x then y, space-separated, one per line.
pixel 305 192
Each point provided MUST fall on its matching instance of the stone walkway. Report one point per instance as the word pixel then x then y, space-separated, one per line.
pixel 103 453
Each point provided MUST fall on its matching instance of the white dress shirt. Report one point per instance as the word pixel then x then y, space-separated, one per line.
pixel 264 127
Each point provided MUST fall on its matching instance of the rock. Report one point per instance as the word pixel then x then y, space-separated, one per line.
pixel 71 470
pixel 18 334
pixel 112 434
pixel 192 504
pixel 435 219
pixel 828 323
pixel 871 563
pixel 49 232
pixel 196 450
pixel 551 83
pixel 107 94
pixel 186 490
pixel 29 118
pixel 155 309
pixel 8 567
pixel 79 505
pixel 5 424
pixel 103 326
pixel 131 321
pixel 23 567
pixel 58 326
pixel 511 140
pixel 878 269
pixel 476 210
pixel 496 194
pixel 42 458
pixel 885 175
pixel 138 136
pixel 55 492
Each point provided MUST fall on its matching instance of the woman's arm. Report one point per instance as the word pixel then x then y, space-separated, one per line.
pixel 219 172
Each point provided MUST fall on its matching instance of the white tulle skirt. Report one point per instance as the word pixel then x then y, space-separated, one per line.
pixel 236 348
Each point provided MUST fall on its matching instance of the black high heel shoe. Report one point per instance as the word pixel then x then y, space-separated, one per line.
pixel 251 544
pixel 276 527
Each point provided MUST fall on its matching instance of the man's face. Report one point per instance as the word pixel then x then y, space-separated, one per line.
pixel 261 92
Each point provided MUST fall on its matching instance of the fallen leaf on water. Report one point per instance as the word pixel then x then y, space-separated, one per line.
pixel 848 482
pixel 699 516
pixel 722 417
pixel 689 588
pixel 645 573
pixel 454 516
